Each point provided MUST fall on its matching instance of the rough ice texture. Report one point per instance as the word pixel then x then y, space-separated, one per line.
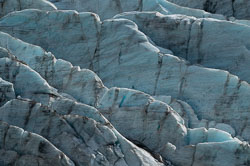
pixel 166 116
pixel 19 147
pixel 115 104
pixel 229 8
pixel 7 6
pixel 84 140
pixel 117 60
pixel 109 8
pixel 207 42
pixel 77 118
pixel 6 91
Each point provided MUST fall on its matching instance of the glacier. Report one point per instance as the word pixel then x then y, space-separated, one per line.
pixel 124 83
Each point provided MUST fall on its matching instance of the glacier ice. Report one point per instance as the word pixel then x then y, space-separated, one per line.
pixel 124 83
